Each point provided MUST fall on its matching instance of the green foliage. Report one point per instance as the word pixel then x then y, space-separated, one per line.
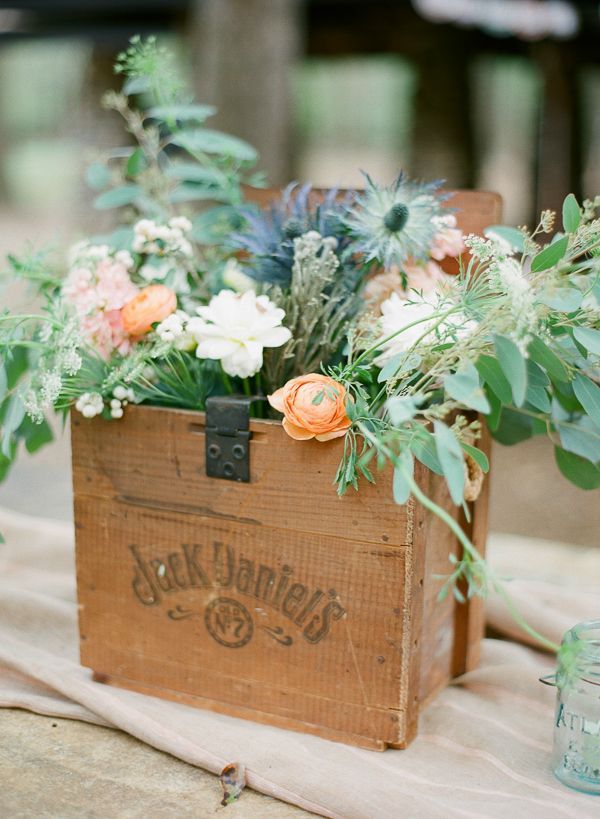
pixel 450 456
pixel 403 472
pixel 578 470
pixel 465 388
pixel 513 236
pixel 571 214
pixel 514 366
pixel 588 338
pixel 550 255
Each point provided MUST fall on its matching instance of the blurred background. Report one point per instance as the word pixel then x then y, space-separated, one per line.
pixel 495 94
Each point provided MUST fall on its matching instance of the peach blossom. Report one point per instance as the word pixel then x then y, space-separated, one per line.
pixel 314 406
pixel 448 241
pixel 425 277
pixel 153 303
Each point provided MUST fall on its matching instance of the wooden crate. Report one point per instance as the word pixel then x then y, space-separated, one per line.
pixel 272 600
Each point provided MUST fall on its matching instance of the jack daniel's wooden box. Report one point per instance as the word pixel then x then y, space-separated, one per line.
pixel 272 600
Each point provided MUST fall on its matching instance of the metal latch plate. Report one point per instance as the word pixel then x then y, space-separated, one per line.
pixel 228 437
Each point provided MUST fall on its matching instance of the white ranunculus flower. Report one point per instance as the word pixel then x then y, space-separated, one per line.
pixel 398 313
pixel 235 328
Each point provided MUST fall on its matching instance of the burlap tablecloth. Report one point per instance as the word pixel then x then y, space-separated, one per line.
pixel 483 748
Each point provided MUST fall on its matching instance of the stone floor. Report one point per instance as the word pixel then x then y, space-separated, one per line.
pixel 61 769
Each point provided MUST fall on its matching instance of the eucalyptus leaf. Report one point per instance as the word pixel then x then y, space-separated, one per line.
pixel 493 418
pixel 192 172
pixel 537 383
pixel 512 235
pixel 389 368
pixel 119 239
pixel 97 176
pixel 450 455
pixel 514 367
pixel 581 437
pixel 547 358
pixel 3 382
pixel 563 299
pixel 136 163
pixel 35 435
pixel 513 427
pixel 182 113
pixel 192 192
pixel 403 471
pixel 578 470
pixel 571 214
pixel 478 456
pixel 13 417
pixel 588 395
pixel 550 255
pixel 538 398
pixel 490 370
pixel 215 142
pixel 588 338
pixel 402 408
pixel 117 197
pixel 424 450
pixel 212 225
pixel 464 387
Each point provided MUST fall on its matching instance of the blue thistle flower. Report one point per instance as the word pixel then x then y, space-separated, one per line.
pixel 268 236
pixel 389 225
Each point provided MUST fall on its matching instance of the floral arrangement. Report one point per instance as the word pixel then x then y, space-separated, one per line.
pixel 335 308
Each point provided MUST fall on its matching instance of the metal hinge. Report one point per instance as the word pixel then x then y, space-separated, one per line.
pixel 228 437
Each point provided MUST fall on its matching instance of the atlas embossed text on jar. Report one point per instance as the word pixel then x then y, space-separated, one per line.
pixel 576 756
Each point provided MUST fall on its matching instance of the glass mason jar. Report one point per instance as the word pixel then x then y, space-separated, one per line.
pixel 576 756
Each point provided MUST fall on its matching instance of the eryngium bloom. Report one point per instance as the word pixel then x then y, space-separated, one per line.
pixel 392 225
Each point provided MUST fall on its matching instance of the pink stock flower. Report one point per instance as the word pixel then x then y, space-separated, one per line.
pixel 97 289
pixel 448 241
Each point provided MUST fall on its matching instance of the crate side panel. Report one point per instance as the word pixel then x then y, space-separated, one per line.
pixel 302 625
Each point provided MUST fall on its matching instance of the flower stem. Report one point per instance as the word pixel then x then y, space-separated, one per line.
pixel 474 553
pixel 227 382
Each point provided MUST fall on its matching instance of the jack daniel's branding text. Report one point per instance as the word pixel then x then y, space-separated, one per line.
pixel 199 566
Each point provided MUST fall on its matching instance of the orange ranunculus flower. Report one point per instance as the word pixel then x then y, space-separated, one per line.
pixel 153 303
pixel 314 406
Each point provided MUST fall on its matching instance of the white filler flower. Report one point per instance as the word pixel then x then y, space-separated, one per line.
pixel 235 328
pixel 417 320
